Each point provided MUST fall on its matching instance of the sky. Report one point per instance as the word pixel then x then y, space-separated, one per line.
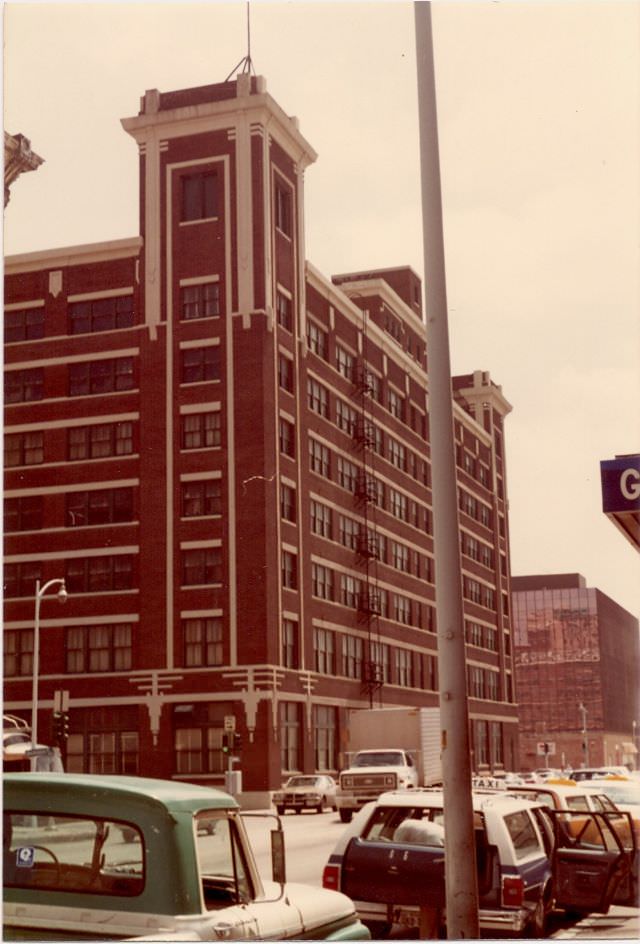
pixel 539 125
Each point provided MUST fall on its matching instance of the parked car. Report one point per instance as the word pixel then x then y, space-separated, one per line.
pixel 529 860
pixel 70 873
pixel 306 792
pixel 597 773
pixel 623 791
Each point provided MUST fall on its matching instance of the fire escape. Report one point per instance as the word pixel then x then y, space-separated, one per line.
pixel 367 542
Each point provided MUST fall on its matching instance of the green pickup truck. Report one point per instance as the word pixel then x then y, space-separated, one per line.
pixel 90 857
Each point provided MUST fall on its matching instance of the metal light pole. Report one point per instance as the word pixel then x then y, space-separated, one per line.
pixel 62 598
pixel 585 741
pixel 460 873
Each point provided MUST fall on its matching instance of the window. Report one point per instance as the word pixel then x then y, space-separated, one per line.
pixel 346 417
pixel 21 386
pixel 199 196
pixel 474 633
pixel 100 574
pixel 321 581
pixel 201 498
pixel 381 659
pixel 289 567
pixel 285 373
pixel 497 750
pixel 324 651
pixel 102 506
pixel 523 834
pixel 287 502
pixel 101 314
pixel 349 532
pixel 198 364
pixel 397 454
pixel 476 681
pixel 201 566
pixel 283 209
pixel 202 641
pixel 199 301
pixel 201 430
pixel 398 505
pixel 396 405
pixel 105 376
pixel 404 668
pixel 20 578
pixel 23 449
pixel 101 442
pixel 284 311
pixel 321 519
pixel 347 474
pixel 106 648
pixel 325 737
pixel 319 458
pixel 287 438
pixel 345 362
pixel 492 687
pixel 352 656
pixel 350 590
pixel 18 652
pixel 317 340
pixel 24 325
pixel 290 734
pixel 400 556
pixel 108 745
pixel 318 397
pixel 290 644
pixel 471 590
pixel 402 609
pixel 23 513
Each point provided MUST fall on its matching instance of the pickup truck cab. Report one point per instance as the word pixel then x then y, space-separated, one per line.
pixel 529 860
pixel 91 857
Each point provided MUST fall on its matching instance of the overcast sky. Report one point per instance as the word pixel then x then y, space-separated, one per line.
pixel 539 121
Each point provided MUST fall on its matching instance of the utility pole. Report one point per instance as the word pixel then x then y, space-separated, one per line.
pixel 460 871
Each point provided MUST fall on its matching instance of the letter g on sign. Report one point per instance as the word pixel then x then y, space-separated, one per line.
pixel 630 484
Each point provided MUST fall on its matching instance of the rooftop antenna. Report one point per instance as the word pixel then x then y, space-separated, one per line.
pixel 245 65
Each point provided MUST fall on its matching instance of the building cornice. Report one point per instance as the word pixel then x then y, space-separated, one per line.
pixel 164 124
pixel 73 255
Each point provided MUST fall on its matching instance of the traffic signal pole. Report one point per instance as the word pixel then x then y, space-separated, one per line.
pixel 460 856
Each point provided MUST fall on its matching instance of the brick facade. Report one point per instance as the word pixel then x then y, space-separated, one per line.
pixel 226 455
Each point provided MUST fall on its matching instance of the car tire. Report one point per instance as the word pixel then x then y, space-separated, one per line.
pixel 280 810
pixel 345 816
pixel 537 923
pixel 378 929
pixel 321 805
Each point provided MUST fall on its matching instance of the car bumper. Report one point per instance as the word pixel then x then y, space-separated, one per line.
pixel 512 921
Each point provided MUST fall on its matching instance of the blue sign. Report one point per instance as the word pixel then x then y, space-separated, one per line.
pixel 25 857
pixel 620 484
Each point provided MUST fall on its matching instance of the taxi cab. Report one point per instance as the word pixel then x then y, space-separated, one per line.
pixel 530 859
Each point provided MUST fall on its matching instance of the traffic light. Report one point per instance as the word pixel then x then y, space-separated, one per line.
pixel 226 743
pixel 65 725
pixel 237 743
pixel 60 726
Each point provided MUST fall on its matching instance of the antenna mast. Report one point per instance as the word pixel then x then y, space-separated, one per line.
pixel 245 65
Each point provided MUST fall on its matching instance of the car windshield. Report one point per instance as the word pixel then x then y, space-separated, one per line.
pixel 302 782
pixel 379 759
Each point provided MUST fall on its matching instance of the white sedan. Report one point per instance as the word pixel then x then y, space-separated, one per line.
pixel 306 792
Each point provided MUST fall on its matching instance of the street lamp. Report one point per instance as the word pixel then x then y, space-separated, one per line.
pixel 62 598
pixel 585 742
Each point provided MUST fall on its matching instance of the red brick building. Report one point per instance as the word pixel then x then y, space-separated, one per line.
pixel 226 456
pixel 577 673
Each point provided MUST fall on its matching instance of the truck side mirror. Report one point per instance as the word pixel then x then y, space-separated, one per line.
pixel 278 865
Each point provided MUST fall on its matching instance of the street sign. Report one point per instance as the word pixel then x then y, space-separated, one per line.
pixel 230 723
pixel 37 752
pixel 61 700
pixel 544 748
